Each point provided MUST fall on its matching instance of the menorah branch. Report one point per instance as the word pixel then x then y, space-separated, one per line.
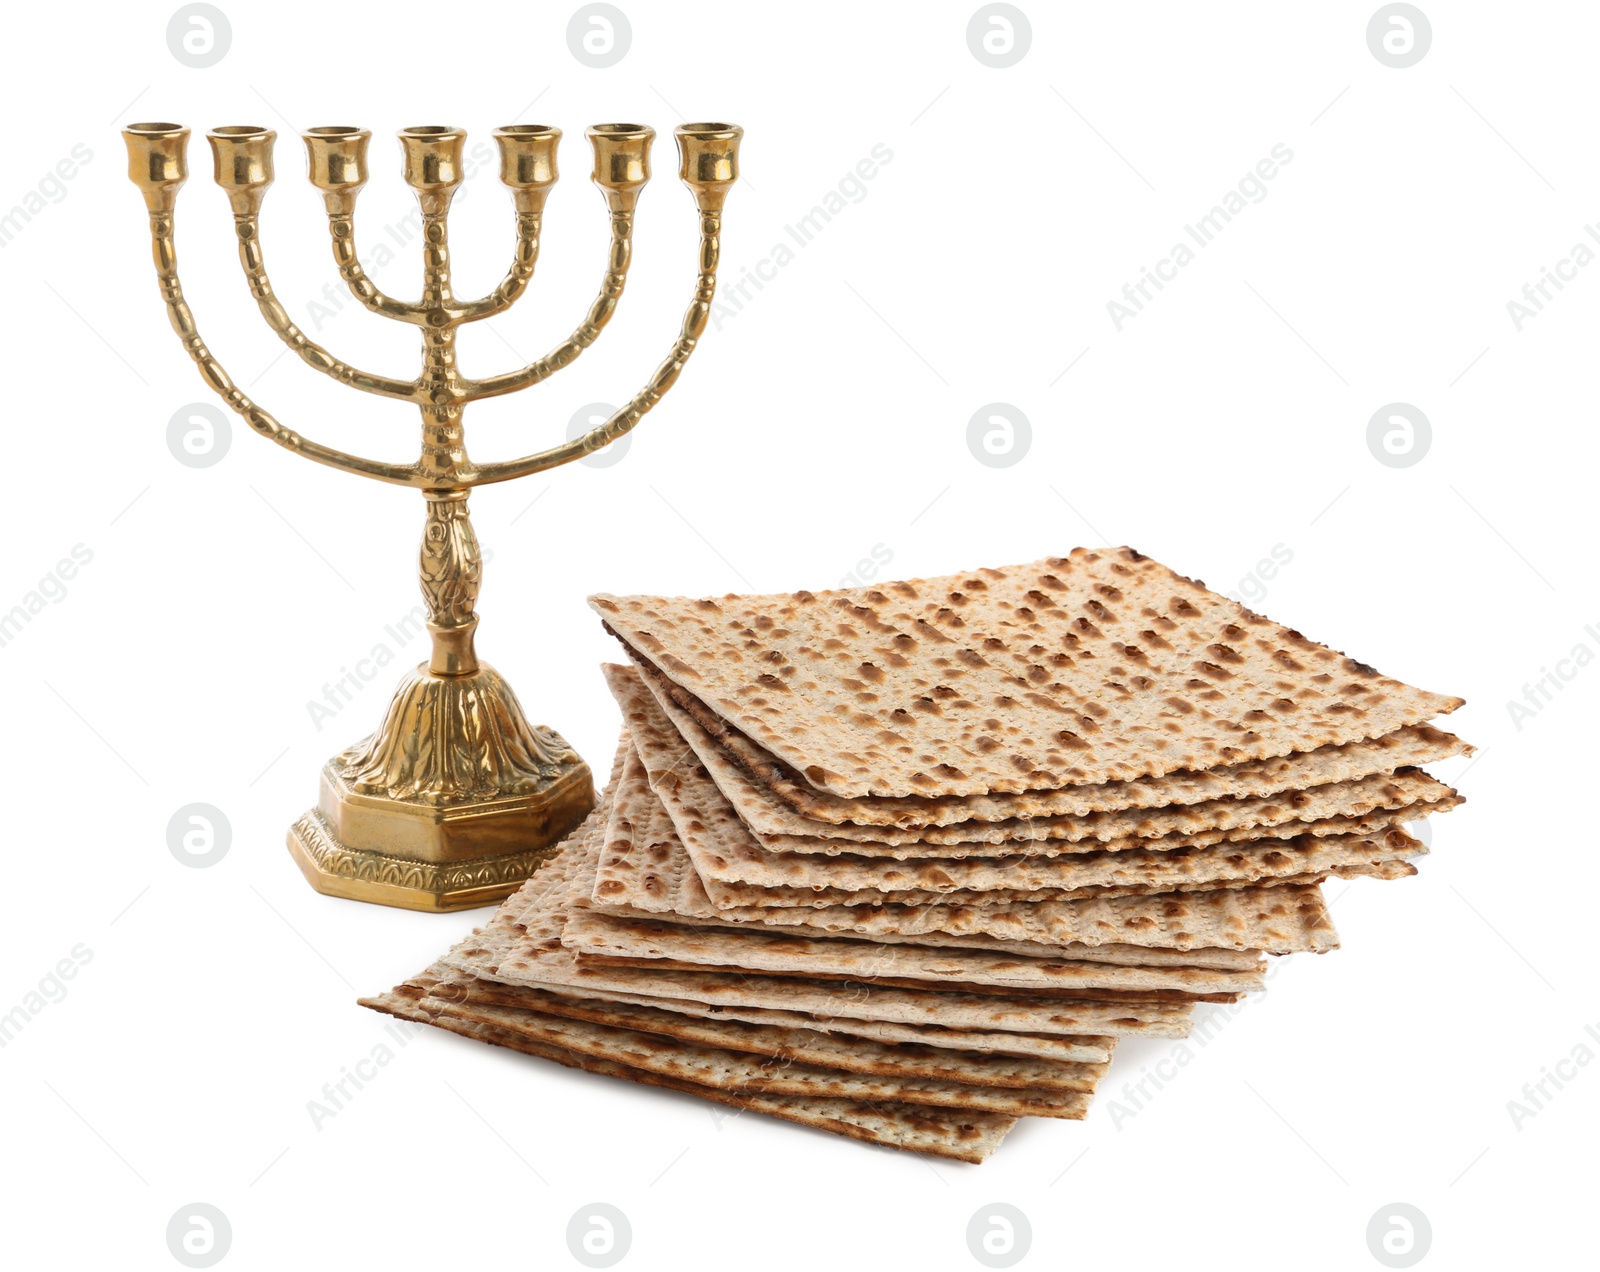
pixel 338 167
pixel 666 375
pixel 586 332
pixel 524 258
pixel 342 233
pixel 248 229
pixel 166 261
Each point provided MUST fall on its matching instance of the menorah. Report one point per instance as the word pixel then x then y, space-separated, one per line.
pixel 456 798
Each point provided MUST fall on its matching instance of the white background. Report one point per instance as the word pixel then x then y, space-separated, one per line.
pixel 827 418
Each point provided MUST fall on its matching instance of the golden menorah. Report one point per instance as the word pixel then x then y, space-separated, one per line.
pixel 456 798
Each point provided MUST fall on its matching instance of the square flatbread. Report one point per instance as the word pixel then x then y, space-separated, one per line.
pixel 1141 870
pixel 793 1043
pixel 537 958
pixel 641 870
pixel 728 1069
pixel 737 871
pixel 480 956
pixel 640 867
pixel 1096 667
pixel 664 738
pixel 764 953
pixel 773 800
pixel 724 851
pixel 1298 861
pixel 964 1135
pixel 1286 919
pixel 1084 1049
pixel 902 963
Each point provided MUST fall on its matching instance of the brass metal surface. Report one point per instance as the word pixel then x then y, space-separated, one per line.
pixel 456 798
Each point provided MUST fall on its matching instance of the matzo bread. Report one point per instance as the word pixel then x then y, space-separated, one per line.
pixel 967 1135
pixel 1086 1049
pixel 731 1070
pixel 537 958
pixel 643 871
pixel 1338 808
pixel 1282 861
pixel 772 800
pixel 806 1045
pixel 641 862
pixel 1095 667
pixel 1283 919
pixel 484 950
pixel 1280 920
pixel 873 963
pixel 737 871
pixel 724 851
pixel 825 1001
pixel 1157 871
pixel 589 932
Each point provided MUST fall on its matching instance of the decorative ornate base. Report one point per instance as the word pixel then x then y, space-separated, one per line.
pixel 337 871
pixel 452 804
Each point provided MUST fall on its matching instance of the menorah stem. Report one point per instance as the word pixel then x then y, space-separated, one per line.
pixel 451 570
pixel 454 749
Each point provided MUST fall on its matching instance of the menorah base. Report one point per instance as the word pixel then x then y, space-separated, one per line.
pixel 337 871
pixel 418 853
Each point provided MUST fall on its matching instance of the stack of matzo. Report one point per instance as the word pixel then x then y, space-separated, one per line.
pixel 905 862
